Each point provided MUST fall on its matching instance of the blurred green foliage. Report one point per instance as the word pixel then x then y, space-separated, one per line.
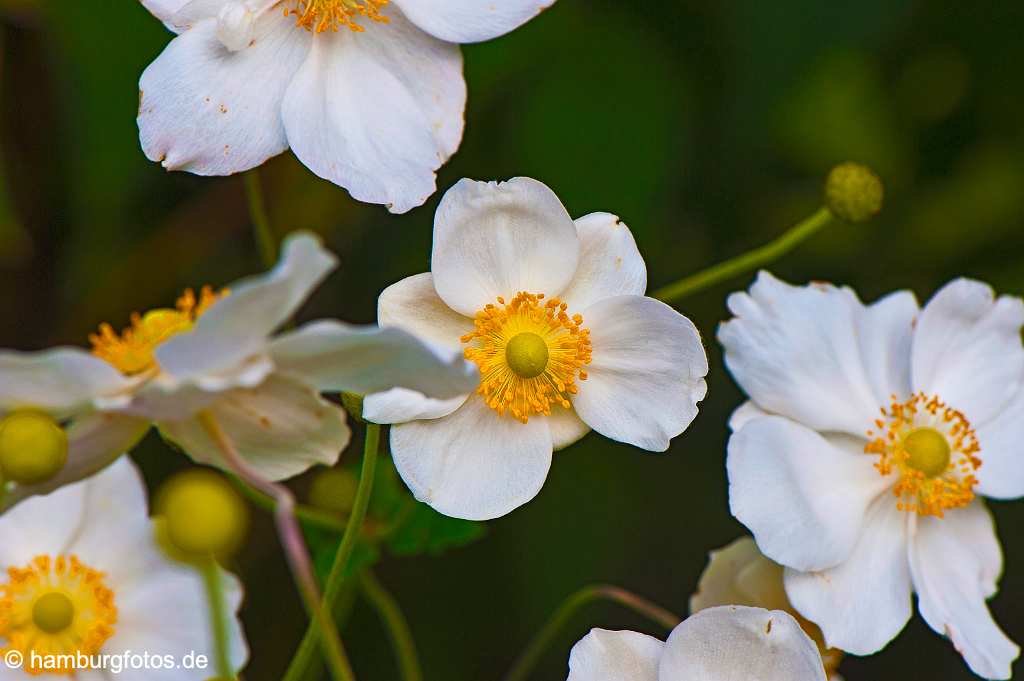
pixel 707 126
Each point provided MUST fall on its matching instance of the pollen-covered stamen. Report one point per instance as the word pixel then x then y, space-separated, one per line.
pixel 530 353
pixel 318 16
pixel 132 351
pixel 933 448
pixel 58 608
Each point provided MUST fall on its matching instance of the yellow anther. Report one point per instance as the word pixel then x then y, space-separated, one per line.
pixel 318 16
pixel 33 447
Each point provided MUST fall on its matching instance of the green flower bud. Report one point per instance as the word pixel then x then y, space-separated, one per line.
pixel 33 447
pixel 853 192
pixel 201 515
pixel 334 490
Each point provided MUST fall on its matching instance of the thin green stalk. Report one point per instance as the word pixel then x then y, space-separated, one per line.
pixel 305 656
pixel 588 594
pixel 312 517
pixel 398 628
pixel 749 261
pixel 218 618
pixel 262 231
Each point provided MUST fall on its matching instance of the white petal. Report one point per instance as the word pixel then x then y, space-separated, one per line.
pixel 164 10
pixel 1001 475
pixel 60 381
pixel 864 602
pixel 237 327
pixel 94 442
pixel 496 239
pixel 967 349
pixel 399 405
pixel 738 574
pixel 955 562
pixel 803 497
pixel 41 525
pixel 731 643
pixel 413 304
pixel 336 357
pixel 566 427
pixel 282 428
pixel 885 331
pixel 473 464
pixel 797 352
pixel 743 413
pixel 211 111
pixel 647 375
pixel 471 21
pixel 378 112
pixel 610 263
pixel 604 655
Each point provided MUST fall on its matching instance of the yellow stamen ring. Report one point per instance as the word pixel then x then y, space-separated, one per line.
pixel 530 353
pixel 317 16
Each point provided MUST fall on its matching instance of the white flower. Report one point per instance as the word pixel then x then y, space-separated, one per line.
pixel 538 302
pixel 62 387
pixel 81 572
pixel 872 433
pixel 376 109
pixel 719 644
pixel 739 574
pixel 216 354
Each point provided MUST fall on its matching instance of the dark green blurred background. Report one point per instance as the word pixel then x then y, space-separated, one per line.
pixel 707 126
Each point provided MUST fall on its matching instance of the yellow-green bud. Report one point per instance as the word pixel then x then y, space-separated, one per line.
pixel 853 192
pixel 334 490
pixel 33 447
pixel 201 515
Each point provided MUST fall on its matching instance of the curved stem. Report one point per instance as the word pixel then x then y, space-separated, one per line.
pixel 312 517
pixel 588 594
pixel 294 547
pixel 398 628
pixel 265 239
pixel 218 618
pixel 304 658
pixel 747 262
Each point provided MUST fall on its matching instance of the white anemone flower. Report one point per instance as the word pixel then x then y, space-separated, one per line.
pixel 553 313
pixel 719 644
pixel 860 463
pixel 81 573
pixel 217 355
pixel 368 94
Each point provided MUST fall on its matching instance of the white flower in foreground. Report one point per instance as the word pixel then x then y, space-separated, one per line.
pixel 51 432
pixel 369 94
pixel 739 574
pixel 539 303
pixel 719 644
pixel 81 573
pixel 872 433
pixel 217 355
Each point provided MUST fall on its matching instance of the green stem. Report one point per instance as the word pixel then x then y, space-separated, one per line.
pixel 312 517
pixel 305 656
pixel 398 628
pixel 265 239
pixel 218 618
pixel 747 262
pixel 588 594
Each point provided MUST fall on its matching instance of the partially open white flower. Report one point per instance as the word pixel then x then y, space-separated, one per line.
pixel 369 94
pixel 554 315
pixel 50 427
pixel 81 572
pixel 872 433
pixel 718 644
pixel 217 354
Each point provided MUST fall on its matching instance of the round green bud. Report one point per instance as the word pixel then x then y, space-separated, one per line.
pixel 334 490
pixel 33 447
pixel 853 192
pixel 201 515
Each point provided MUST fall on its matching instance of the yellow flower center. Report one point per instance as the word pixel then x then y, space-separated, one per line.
pixel 58 609
pixel 529 353
pixel 933 448
pixel 318 16
pixel 132 352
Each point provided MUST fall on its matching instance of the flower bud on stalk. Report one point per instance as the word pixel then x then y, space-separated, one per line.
pixel 33 447
pixel 200 515
pixel 853 192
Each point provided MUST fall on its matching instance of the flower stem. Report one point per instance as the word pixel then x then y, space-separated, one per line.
pixel 294 547
pixel 304 658
pixel 398 628
pixel 588 594
pixel 747 262
pixel 265 239
pixel 218 618
pixel 310 516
